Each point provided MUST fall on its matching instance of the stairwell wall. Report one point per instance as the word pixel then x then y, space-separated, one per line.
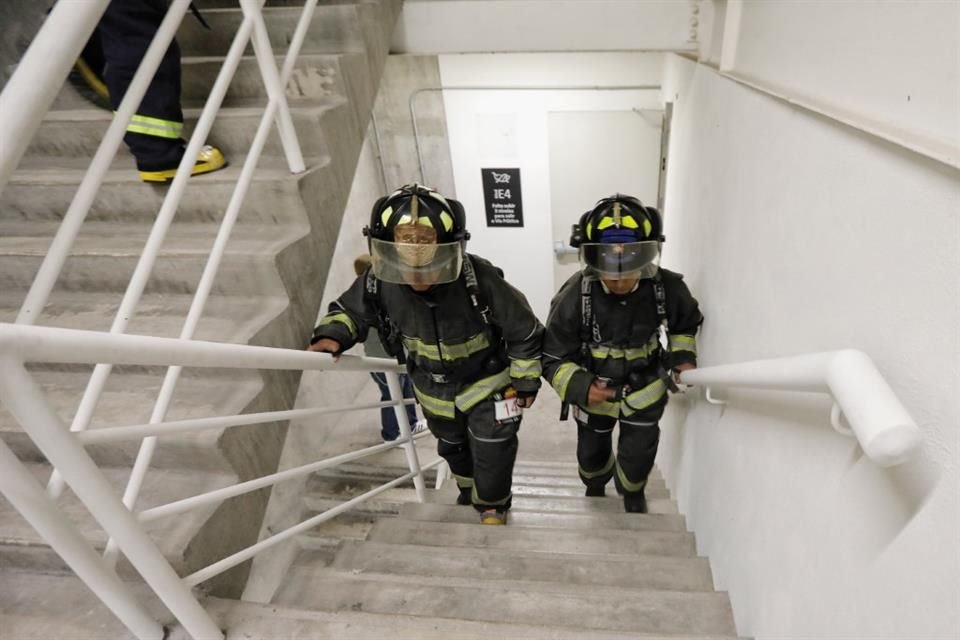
pixel 801 234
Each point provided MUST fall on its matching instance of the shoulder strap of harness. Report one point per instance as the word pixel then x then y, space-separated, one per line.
pixel 473 290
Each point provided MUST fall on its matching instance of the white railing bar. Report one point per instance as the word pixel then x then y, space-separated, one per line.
pixel 219 495
pixel 73 219
pixel 880 422
pixel 145 454
pixel 144 268
pixel 161 429
pixel 241 556
pixel 25 401
pixel 403 421
pixel 276 89
pixel 39 75
pixel 27 496
pixel 77 346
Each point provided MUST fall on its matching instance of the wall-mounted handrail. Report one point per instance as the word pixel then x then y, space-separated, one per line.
pixel 883 427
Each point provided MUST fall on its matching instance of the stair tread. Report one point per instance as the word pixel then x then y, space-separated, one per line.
pixel 645 611
pixel 456 534
pixel 268 621
pixel 71 171
pixel 566 571
pixel 19 238
pixel 160 486
pixel 518 518
pixel 225 318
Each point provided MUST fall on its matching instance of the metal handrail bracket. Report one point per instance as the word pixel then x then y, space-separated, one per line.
pixel 881 424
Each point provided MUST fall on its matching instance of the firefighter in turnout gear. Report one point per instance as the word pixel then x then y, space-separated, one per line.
pixel 107 65
pixel 602 349
pixel 470 341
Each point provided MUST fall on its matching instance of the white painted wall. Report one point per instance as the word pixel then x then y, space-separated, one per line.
pixel 799 234
pixel 459 26
pixel 500 129
pixel 892 64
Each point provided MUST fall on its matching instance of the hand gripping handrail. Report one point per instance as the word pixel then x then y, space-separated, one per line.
pixel 877 418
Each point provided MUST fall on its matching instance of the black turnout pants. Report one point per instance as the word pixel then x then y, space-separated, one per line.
pixel 481 450
pixel 636 448
pixel 125 31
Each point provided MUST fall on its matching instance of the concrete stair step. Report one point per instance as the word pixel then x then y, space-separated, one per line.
pixel 600 541
pixel 334 28
pixel 43 189
pixel 523 484
pixel 270 621
pixel 128 399
pixel 78 132
pixel 572 521
pixel 104 256
pixel 559 570
pixel 663 612
pixel 22 547
pixel 390 501
pixel 225 318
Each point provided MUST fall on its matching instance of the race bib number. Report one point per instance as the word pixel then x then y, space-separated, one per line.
pixel 506 409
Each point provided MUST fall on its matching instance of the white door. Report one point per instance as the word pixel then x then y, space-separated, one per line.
pixel 594 154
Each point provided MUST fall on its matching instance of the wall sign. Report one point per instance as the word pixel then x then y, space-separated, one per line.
pixel 501 194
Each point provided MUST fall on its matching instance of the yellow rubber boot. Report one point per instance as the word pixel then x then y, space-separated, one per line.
pixel 208 160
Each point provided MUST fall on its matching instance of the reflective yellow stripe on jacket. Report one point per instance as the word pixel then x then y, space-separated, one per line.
pixel 435 406
pixel 562 377
pixel 449 351
pixel 481 389
pixel 642 398
pixel 602 352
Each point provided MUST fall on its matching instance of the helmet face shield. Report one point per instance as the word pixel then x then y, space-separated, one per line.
pixel 416 263
pixel 620 261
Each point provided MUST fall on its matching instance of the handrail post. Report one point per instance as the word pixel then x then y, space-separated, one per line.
pixel 275 90
pixel 26 402
pixel 28 497
pixel 36 82
pixel 409 447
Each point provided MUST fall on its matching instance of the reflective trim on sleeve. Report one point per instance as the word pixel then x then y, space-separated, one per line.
pixel 480 390
pixel 343 319
pixel 607 468
pixel 449 351
pixel 525 369
pixel 155 127
pixel 683 343
pixel 562 377
pixel 627 485
pixel 642 398
pixel 435 406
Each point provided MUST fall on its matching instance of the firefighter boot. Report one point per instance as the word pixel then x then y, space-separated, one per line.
pixel 209 159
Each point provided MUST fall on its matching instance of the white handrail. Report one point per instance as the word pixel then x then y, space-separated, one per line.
pixel 66 235
pixel 25 401
pixel 35 84
pixel 78 346
pixel 28 497
pixel 18 391
pixel 151 251
pixel 286 534
pixel 881 424
pixel 205 285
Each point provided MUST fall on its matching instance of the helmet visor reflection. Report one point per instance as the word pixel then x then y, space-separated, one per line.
pixel 416 263
pixel 620 261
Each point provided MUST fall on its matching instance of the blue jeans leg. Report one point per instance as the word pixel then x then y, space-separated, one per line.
pixel 389 429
